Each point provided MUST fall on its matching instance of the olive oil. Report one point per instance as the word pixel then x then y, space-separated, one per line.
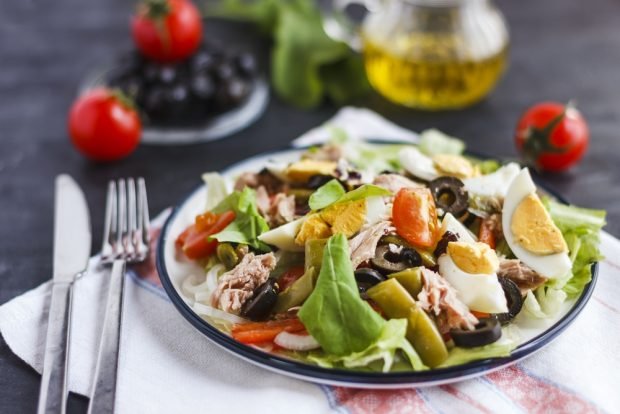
pixel 429 71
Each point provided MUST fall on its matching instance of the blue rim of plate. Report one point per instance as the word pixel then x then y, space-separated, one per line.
pixel 353 377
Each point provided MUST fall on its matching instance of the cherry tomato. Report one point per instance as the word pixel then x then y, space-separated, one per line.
pixel 195 241
pixel 415 216
pixel 104 125
pixel 552 136
pixel 167 30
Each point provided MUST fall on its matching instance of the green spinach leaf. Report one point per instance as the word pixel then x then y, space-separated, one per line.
pixel 334 313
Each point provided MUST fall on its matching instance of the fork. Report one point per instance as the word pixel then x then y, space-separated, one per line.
pixel 125 241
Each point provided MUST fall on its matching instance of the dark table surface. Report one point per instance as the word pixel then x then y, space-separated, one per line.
pixel 560 50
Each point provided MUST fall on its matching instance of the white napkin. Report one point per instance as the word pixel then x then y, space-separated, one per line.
pixel 358 123
pixel 167 366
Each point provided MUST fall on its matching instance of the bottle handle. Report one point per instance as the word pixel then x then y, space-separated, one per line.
pixel 339 26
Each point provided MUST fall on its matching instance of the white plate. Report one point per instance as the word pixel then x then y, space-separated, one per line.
pixel 173 270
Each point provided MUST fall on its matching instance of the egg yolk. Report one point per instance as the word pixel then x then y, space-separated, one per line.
pixel 302 170
pixel 533 228
pixel 474 258
pixel 454 165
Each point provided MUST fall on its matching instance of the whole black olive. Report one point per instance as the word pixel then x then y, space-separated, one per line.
pixel 513 299
pixel 167 74
pixel 178 94
pixel 155 100
pixel 224 71
pixel 450 195
pixel 202 62
pixel 231 93
pixel 150 72
pixel 487 331
pixel 442 245
pixel 387 262
pixel 246 65
pixel 203 87
pixel 262 301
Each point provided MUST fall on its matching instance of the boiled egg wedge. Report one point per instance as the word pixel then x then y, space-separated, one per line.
pixel 451 224
pixel 530 231
pixel 470 267
pixel 418 164
pixel 283 237
pixel 494 184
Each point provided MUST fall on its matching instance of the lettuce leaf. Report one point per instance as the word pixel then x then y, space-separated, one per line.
pixel 433 141
pixel 248 223
pixel 391 339
pixel 581 229
pixel 326 194
pixel 501 348
pixel 546 302
pixel 365 191
pixel 216 189
pixel 332 193
pixel 334 314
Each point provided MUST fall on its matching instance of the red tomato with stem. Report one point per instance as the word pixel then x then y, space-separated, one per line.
pixel 104 125
pixel 415 216
pixel 552 136
pixel 167 30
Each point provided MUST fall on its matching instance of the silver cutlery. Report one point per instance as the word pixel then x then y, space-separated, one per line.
pixel 125 241
pixel 72 240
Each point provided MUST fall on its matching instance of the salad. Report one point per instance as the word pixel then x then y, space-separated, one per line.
pixel 385 257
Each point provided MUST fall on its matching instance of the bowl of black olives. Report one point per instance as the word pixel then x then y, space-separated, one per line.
pixel 210 95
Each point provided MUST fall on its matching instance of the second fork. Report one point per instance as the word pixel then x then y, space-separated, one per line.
pixel 125 240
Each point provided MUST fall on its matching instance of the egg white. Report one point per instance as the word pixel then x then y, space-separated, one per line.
pixel 283 237
pixel 418 164
pixel 480 292
pixel 553 266
pixel 450 223
pixel 376 210
pixel 494 184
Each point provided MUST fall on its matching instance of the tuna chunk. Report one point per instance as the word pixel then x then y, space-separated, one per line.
pixel 524 277
pixel 277 210
pixel 327 152
pixel 237 285
pixel 263 178
pixel 394 182
pixel 438 297
pixel 364 245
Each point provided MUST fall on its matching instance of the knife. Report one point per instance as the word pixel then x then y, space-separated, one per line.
pixel 72 240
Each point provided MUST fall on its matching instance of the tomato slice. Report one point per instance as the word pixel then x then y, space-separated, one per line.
pixel 290 276
pixel 260 332
pixel 485 235
pixel 195 242
pixel 415 216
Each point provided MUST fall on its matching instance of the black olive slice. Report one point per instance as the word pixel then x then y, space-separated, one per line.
pixel 411 257
pixel 386 261
pixel 318 180
pixel 442 245
pixel 368 277
pixel 513 298
pixel 262 301
pixel 393 239
pixel 488 330
pixel 450 195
